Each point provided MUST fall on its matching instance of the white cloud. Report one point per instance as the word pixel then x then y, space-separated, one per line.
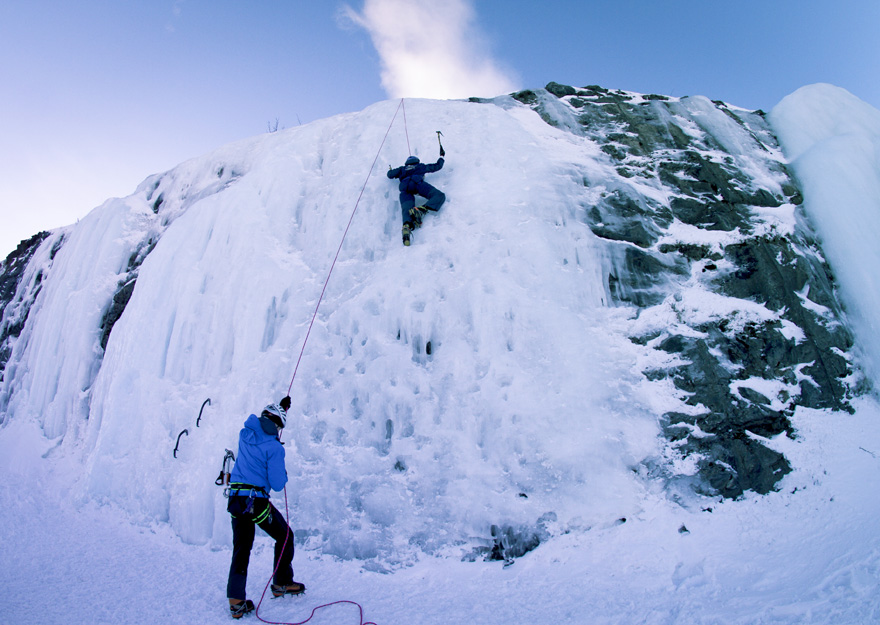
pixel 431 49
pixel 176 10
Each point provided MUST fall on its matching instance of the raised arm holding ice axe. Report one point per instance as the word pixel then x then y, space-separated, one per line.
pixel 412 183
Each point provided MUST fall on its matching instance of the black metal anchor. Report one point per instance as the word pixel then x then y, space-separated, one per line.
pixel 206 402
pixel 178 441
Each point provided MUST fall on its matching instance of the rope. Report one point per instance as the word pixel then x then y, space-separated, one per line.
pixel 320 607
pixel 405 129
pixel 302 351
pixel 344 234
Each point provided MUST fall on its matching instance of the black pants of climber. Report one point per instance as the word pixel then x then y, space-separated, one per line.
pixel 243 530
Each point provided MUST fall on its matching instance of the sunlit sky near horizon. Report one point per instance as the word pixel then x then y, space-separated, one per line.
pixel 97 95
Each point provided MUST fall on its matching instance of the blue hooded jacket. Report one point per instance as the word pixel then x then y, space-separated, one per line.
pixel 260 459
pixel 413 173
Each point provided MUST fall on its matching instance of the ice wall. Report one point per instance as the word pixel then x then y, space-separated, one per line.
pixel 833 142
pixel 474 379
pixel 482 378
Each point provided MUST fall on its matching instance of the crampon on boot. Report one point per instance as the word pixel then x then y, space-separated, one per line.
pixel 294 588
pixel 417 213
pixel 407 234
pixel 240 609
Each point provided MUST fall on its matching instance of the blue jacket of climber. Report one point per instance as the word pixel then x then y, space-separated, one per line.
pixel 412 183
pixel 260 455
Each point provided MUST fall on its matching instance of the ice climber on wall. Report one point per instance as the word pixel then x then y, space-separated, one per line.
pixel 412 183
pixel 259 468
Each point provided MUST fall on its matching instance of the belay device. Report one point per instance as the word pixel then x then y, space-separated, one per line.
pixel 226 472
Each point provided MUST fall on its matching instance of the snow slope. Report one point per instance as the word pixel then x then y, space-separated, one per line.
pixel 530 412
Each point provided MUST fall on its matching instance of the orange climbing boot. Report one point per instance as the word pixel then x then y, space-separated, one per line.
pixel 294 588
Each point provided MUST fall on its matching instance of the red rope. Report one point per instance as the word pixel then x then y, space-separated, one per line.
pixel 405 128
pixel 302 351
pixel 344 234
pixel 320 607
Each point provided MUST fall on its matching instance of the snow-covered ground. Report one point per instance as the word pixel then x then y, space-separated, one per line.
pixel 809 553
pixel 530 410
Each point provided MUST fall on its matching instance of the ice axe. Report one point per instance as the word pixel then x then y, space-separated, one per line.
pixel 442 151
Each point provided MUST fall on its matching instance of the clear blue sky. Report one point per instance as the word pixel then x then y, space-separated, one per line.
pixel 97 95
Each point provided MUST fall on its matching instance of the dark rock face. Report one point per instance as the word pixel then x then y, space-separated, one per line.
pixel 560 90
pixel 16 299
pixel 13 267
pixel 777 341
pixel 114 312
pixel 124 290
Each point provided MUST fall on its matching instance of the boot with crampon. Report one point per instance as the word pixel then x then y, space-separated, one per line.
pixel 294 588
pixel 240 609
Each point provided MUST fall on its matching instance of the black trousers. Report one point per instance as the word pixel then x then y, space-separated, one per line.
pixel 243 530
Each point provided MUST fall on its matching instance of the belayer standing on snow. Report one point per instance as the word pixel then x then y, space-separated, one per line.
pixel 412 183
pixel 259 468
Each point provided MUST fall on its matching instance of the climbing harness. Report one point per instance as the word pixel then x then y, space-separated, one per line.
pixel 250 510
